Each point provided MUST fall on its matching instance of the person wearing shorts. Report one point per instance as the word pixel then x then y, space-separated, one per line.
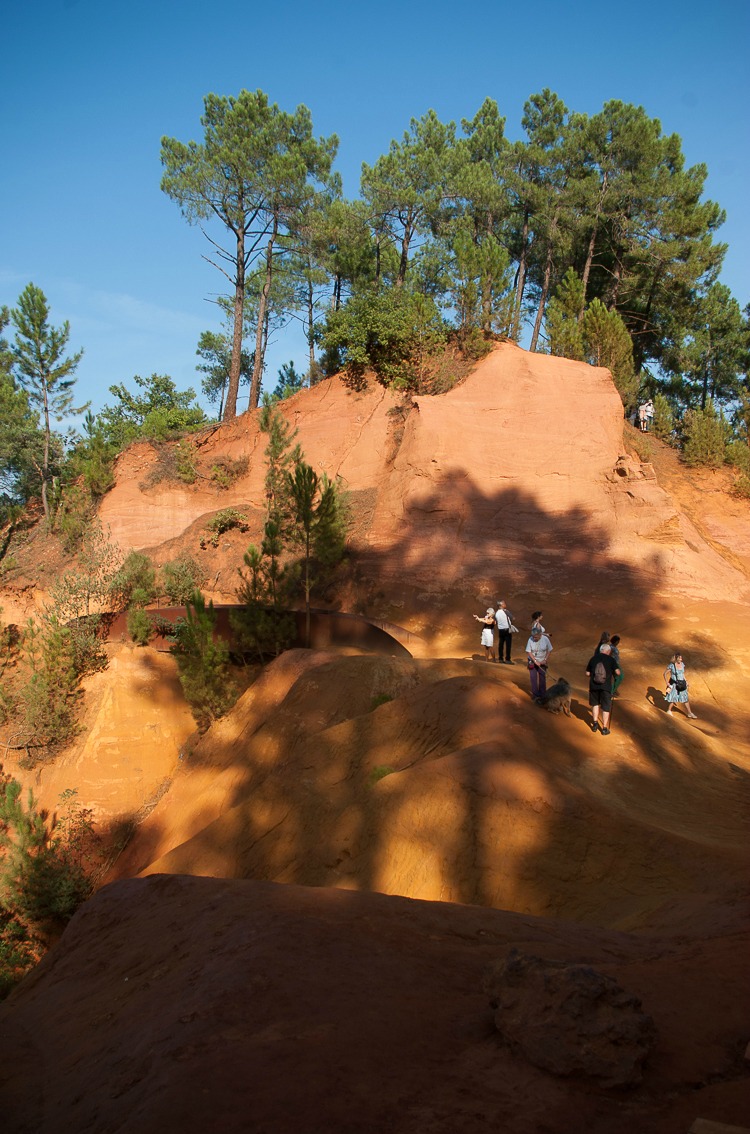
pixel 488 640
pixel 603 665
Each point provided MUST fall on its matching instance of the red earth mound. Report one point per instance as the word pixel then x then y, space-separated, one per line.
pixel 199 1004
pixel 432 777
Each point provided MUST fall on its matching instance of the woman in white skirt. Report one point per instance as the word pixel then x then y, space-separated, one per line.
pixel 488 626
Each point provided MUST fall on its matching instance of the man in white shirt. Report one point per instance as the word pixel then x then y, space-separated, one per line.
pixel 538 650
pixel 504 637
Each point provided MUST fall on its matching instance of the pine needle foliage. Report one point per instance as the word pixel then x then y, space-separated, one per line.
pixel 44 874
pixel 203 662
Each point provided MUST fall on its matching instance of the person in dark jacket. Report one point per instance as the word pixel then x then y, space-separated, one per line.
pixel 601 671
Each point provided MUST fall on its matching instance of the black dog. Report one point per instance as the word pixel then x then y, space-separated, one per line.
pixel 557 697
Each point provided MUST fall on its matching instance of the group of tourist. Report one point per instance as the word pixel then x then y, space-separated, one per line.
pixel 603 670
pixel 498 618
pixel 645 416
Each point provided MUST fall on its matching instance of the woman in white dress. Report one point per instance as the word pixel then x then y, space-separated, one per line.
pixel 487 639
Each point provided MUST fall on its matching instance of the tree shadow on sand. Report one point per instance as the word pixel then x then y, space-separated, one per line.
pixel 301 805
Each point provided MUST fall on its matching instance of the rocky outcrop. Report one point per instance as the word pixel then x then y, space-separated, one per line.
pixel 571 1020
pixel 522 463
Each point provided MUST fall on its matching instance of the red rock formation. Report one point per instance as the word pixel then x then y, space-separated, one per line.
pixel 175 1003
pixel 521 468
pixel 194 1005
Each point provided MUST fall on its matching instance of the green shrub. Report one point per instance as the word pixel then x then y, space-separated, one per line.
pixel 738 455
pixel 608 343
pixel 741 487
pixel 48 698
pixel 43 876
pixel 663 422
pixel 136 576
pixel 380 699
pixel 223 521
pixel 392 333
pixel 704 437
pixel 140 626
pixel 73 516
pixel 379 773
pixel 262 627
pixel 65 643
pixel 181 578
pixel 203 662
pixel 174 462
pixel 18 953
pixel 185 463
pixel 226 471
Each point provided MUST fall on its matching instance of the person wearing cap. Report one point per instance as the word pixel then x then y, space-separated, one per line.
pixel 504 620
pixel 601 669
pixel 487 639
pixel 614 642
pixel 538 650
pixel 536 623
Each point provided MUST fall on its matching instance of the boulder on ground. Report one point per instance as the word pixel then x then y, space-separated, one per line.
pixel 570 1019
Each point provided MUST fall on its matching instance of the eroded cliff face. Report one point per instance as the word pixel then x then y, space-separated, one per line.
pixel 520 470
pixel 515 484
pixel 336 1001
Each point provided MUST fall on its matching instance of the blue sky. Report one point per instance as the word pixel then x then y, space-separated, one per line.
pixel 89 89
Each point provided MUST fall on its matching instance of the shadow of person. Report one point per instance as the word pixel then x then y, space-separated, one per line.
pixel 580 710
pixel 656 698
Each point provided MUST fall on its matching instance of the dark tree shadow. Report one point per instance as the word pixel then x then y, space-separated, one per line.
pixel 334 831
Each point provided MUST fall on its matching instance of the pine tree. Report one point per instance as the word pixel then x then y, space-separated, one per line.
pixel 203 662
pixel 608 343
pixel 253 172
pixel 484 158
pixel 263 626
pixel 45 373
pixel 408 188
pixel 319 527
pixel 564 329
pixel 704 437
pixel 281 454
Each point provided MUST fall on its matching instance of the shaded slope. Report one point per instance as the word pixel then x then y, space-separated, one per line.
pixel 196 1004
pixel 489 799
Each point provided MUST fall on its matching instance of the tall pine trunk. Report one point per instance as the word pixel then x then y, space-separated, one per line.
pixel 230 406
pixel 521 276
pixel 614 290
pixel 706 373
pixel 45 463
pixel 545 284
pixel 487 282
pixel 310 329
pixel 261 324
pixel 405 242
pixel 638 350
pixel 404 261
pixel 592 245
